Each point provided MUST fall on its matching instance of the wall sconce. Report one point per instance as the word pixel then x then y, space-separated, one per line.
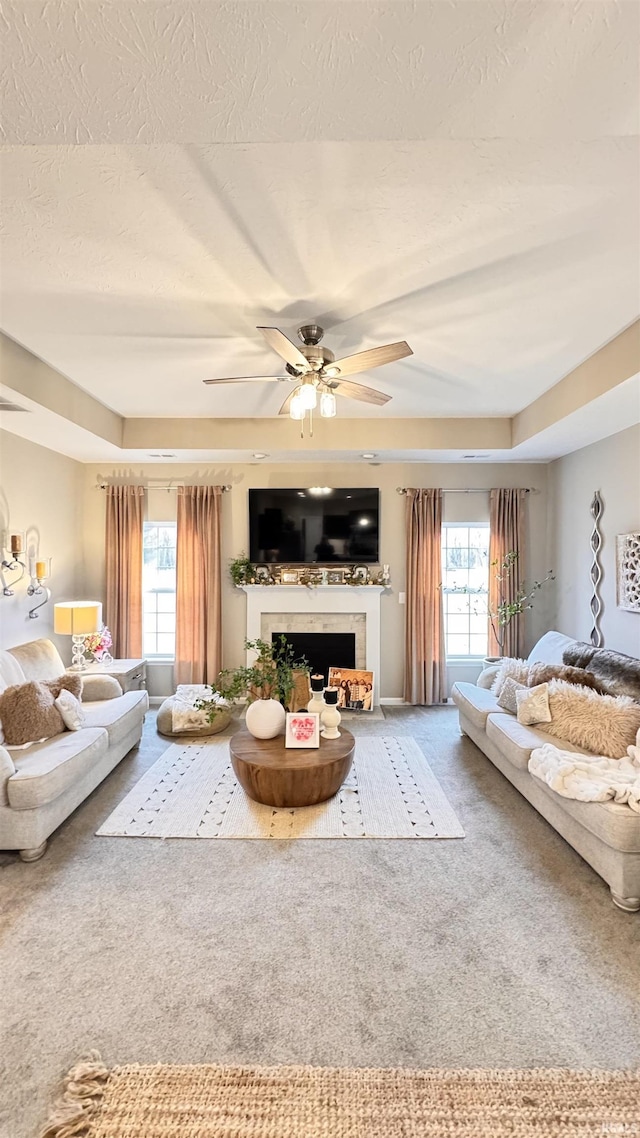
pixel 13 562
pixel 40 569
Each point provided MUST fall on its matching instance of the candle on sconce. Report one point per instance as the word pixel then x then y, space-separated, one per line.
pixel 16 543
pixel 42 570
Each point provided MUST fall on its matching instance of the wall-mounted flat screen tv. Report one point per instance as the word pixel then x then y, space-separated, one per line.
pixel 318 525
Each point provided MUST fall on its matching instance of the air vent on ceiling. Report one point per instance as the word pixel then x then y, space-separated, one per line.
pixel 7 405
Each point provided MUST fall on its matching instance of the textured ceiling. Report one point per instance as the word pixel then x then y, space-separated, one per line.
pixel 462 175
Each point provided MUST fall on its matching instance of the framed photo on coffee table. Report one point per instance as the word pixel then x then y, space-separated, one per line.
pixel 355 688
pixel 302 729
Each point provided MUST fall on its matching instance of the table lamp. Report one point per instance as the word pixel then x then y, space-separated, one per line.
pixel 77 619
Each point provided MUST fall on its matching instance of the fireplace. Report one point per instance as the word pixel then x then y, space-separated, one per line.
pixel 323 650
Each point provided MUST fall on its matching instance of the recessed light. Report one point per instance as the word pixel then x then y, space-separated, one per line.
pixel 260 454
pixel 368 454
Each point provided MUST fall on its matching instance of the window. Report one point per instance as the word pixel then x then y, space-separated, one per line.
pixel 465 588
pixel 159 590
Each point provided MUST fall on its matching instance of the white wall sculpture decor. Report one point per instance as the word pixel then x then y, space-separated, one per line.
pixel 628 571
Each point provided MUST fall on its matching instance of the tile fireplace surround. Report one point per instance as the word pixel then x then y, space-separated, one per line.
pixel 324 608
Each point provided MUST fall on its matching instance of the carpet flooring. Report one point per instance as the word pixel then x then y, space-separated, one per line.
pixel 210 1101
pixel 192 792
pixel 502 950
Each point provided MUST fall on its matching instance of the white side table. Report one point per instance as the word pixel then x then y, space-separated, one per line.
pixel 130 674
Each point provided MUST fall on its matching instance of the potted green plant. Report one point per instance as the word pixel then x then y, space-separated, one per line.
pixel 267 683
pixel 242 570
pixel 505 611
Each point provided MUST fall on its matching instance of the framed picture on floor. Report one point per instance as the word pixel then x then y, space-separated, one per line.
pixel 302 729
pixel 355 688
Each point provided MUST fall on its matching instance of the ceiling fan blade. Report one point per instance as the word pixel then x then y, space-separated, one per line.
pixel 251 379
pixel 373 357
pixel 358 391
pixel 285 348
pixel 284 410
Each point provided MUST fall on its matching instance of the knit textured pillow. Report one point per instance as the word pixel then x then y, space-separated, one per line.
pixel 71 710
pixel 602 724
pixel 28 713
pixel 507 697
pixel 510 667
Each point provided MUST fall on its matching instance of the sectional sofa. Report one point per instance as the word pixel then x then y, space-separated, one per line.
pixel 605 834
pixel 43 783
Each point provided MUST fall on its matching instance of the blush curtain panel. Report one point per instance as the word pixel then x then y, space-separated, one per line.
pixel 425 673
pixel 123 555
pixel 198 586
pixel 506 533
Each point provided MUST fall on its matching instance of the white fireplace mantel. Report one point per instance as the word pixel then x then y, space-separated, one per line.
pixel 319 599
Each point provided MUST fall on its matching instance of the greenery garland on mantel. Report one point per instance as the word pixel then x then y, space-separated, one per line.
pixel 244 572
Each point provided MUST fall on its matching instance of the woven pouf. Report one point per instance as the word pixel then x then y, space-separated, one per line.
pixel 164 722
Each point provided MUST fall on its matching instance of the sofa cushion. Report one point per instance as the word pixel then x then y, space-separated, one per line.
pixel 516 742
pixel 7 768
pixel 10 671
pixel 47 769
pixel 95 686
pixel 550 649
pixel 476 703
pixel 118 716
pixel 39 660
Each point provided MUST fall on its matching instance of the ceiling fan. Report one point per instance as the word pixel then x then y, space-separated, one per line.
pixel 315 372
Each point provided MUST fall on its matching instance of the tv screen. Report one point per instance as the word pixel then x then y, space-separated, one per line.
pixel 313 525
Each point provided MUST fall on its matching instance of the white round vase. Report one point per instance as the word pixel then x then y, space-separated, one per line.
pixel 265 718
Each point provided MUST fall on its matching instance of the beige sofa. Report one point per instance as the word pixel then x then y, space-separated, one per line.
pixel 43 783
pixel 605 834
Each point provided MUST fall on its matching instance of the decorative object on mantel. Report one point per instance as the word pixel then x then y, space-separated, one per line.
pixel 77 619
pixel 40 571
pixel 98 645
pixel 268 683
pixel 628 571
pixel 330 716
pixel 595 604
pixel 12 562
pixel 242 570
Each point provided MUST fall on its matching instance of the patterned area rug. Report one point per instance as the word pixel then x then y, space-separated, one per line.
pixel 318 1102
pixel 191 792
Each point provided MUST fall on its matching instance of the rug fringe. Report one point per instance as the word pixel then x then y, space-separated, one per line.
pixel 83 1093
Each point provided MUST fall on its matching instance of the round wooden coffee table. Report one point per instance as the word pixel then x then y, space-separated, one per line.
pixel 278 776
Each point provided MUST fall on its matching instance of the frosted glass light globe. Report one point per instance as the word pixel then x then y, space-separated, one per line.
pixel 308 396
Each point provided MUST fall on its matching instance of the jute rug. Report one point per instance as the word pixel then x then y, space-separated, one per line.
pixel 317 1102
pixel 191 792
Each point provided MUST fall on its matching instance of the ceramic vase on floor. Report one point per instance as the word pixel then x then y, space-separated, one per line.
pixel 265 718
pixel 330 716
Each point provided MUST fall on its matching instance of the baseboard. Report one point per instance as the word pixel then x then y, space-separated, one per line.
pixel 156 700
pixel 392 700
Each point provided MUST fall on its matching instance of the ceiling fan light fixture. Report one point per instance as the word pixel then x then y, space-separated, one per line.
pixel 296 407
pixel 308 395
pixel 328 405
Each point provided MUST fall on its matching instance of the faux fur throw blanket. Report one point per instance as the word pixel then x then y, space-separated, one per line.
pixel 589 778
pixel 186 717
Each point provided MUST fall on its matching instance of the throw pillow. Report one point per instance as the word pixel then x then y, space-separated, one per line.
pixel 69 681
pixel 514 668
pixel 602 724
pixel 71 710
pixel 533 705
pixel 543 673
pixel 507 697
pixel 29 713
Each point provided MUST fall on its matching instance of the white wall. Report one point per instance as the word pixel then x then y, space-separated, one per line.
pixel 611 466
pixel 40 495
pixel 387 477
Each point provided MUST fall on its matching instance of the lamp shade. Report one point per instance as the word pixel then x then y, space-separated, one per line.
pixel 77 618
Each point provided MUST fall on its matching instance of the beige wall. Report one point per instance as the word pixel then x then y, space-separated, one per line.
pixel 611 466
pixel 387 477
pixel 39 494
